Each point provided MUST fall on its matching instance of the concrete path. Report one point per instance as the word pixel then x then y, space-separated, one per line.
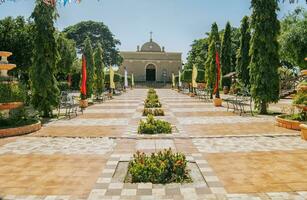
pixel 240 157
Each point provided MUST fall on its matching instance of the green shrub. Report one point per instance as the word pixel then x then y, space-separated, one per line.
pixel 151 91
pixel 159 168
pixel 152 103
pixel 152 96
pixel 16 117
pixel 186 76
pixel 11 93
pixel 154 126
pixel 154 112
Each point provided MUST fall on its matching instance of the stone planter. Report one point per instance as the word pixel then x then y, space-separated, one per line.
pixel 304 72
pixel 192 95
pixel 10 105
pixel 302 88
pixel 301 106
pixel 83 103
pixel 22 130
pixel 286 123
pixel 217 102
pixel 303 131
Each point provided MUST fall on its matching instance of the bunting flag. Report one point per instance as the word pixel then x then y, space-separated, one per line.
pixel 173 80
pixel 179 78
pixel 83 82
pixel 218 71
pixel 194 77
pixel 112 84
pixel 132 80
pixel 50 2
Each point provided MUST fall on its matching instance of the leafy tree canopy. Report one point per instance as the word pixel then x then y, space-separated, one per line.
pixel 243 58
pixel 198 54
pixel 98 32
pixel 226 52
pixel 16 35
pixel 67 53
pixel 264 48
pixel 45 93
pixel 293 38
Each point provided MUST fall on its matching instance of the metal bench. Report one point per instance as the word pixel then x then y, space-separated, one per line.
pixel 69 103
pixel 240 102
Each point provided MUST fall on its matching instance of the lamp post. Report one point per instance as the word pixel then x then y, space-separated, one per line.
pixel 218 69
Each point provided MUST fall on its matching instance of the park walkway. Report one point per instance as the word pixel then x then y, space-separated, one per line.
pixel 239 157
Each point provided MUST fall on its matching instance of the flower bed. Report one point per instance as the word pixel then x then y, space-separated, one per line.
pixel 152 100
pixel 154 126
pixel 158 168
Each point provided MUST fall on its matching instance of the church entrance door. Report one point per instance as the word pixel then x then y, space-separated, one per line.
pixel 150 73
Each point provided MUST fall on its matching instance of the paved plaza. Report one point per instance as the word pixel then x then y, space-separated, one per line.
pixel 240 157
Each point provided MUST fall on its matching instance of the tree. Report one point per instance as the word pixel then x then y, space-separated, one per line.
pixel 226 51
pixel 293 38
pixel 198 54
pixel 99 66
pixel 210 65
pixel 45 93
pixel 68 54
pixel 90 68
pixel 235 43
pixel 264 63
pixel 243 58
pixel 98 32
pixel 16 36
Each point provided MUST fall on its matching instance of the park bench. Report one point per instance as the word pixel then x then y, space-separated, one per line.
pixel 240 102
pixel 69 103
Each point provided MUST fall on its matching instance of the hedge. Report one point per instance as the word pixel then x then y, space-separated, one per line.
pixel 186 76
pixel 117 77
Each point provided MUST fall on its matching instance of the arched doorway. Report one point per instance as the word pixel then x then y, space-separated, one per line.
pixel 150 72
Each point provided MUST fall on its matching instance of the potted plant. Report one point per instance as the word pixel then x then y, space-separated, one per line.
pixel 302 86
pixel 83 103
pixel 226 89
pixel 304 72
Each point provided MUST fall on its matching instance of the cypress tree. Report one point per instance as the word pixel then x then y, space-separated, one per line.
pixel 210 65
pixel 226 51
pixel 243 57
pixel 45 93
pixel 90 68
pixel 99 66
pixel 264 63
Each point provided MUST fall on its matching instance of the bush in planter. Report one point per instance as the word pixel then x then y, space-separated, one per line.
pixel 300 98
pixel 154 112
pixel 154 126
pixel 152 96
pixel 152 103
pixel 11 93
pixel 17 117
pixel 159 168
pixel 151 91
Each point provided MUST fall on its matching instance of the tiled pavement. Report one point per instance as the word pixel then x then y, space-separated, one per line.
pixel 239 157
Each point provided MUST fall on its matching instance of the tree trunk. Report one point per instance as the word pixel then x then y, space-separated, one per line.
pixel 263 108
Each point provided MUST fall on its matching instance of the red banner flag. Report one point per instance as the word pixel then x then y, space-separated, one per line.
pixel 83 82
pixel 218 77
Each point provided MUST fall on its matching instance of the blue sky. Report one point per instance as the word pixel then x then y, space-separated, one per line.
pixel 175 23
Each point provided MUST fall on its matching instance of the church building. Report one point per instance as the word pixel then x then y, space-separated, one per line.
pixel 151 63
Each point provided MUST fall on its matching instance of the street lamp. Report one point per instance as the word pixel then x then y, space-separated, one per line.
pixel 218 69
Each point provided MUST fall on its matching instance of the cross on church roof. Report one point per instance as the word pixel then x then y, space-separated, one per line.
pixel 151 35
